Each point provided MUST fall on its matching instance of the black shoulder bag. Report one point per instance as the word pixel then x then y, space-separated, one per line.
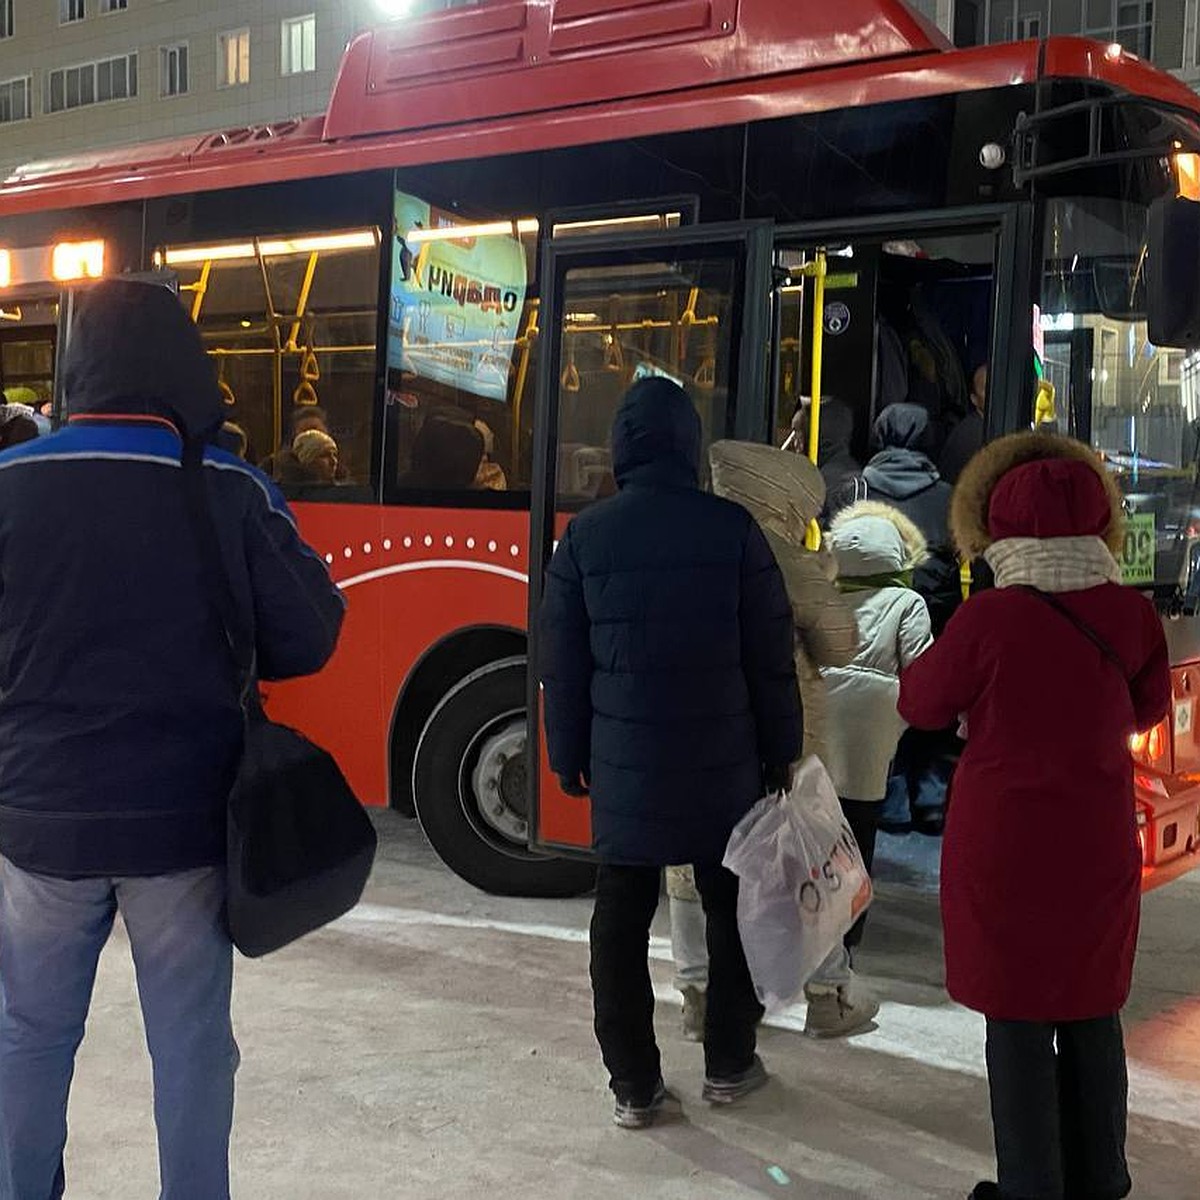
pixel 1088 632
pixel 300 845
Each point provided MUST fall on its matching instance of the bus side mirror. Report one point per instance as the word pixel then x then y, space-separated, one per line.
pixel 1173 272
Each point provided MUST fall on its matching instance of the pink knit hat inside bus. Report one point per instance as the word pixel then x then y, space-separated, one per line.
pixel 1049 498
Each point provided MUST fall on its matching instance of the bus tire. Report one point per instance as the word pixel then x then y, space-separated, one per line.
pixel 469 787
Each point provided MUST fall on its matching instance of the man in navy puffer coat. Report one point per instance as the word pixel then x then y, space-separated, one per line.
pixel 120 729
pixel 670 694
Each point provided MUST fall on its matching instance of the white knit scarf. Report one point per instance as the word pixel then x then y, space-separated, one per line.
pixel 1065 564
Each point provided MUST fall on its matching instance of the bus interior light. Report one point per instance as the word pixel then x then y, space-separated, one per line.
pixel 456 233
pixel 359 239
pixel 185 256
pixel 671 220
pixel 1187 175
pixel 71 261
pixel 193 255
pixel 5 268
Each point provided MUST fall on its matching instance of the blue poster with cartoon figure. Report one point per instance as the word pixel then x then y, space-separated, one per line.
pixel 458 291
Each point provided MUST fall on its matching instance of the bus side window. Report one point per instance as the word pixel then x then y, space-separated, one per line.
pixel 291 326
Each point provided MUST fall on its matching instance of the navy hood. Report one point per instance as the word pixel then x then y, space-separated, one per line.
pixel 656 436
pixel 134 349
pixel 904 427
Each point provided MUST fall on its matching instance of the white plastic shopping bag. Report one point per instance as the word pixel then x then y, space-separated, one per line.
pixel 802 883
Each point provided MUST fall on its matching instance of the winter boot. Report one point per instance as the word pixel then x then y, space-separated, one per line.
pixel 839 1012
pixel 695 1003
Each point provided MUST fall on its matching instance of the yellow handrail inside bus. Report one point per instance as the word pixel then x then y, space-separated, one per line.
pixel 302 303
pixel 528 339
pixel 816 270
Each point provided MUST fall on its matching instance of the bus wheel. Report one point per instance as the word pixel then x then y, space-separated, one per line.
pixel 471 791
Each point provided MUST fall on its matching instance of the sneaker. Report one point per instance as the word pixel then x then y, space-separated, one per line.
pixel 896 828
pixel 839 1013
pixel 727 1089
pixel 985 1191
pixel 630 1115
pixel 695 1002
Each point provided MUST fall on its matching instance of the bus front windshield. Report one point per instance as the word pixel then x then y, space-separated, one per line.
pixel 1138 404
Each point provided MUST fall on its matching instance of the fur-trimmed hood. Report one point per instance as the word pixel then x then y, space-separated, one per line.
pixel 972 497
pixel 872 538
pixel 781 490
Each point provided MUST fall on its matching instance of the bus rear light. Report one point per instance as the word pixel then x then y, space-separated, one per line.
pixel 1150 747
pixel 77 260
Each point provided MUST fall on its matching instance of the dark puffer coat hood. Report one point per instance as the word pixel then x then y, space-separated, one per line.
pixel 133 349
pixel 902 426
pixel 656 436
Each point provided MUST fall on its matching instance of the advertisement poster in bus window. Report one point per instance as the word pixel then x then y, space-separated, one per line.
pixel 455 302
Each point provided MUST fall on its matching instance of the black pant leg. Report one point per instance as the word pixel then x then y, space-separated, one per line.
pixel 863 819
pixel 1094 1107
pixel 733 1013
pixel 626 900
pixel 1023 1080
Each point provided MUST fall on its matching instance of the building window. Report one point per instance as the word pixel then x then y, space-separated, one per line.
pixel 1025 27
pixel 92 83
pixel 1129 23
pixel 173 70
pixel 299 49
pixel 70 10
pixel 16 100
pixel 233 58
pixel 6 18
pixel 107 6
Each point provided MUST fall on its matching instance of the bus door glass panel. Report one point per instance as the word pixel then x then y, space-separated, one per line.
pixel 689 308
pixel 1144 400
pixel 908 319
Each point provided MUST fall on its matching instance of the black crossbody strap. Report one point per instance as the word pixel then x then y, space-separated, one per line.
pixel 216 575
pixel 1088 632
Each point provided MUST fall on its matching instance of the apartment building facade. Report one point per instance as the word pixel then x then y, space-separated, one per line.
pixel 81 74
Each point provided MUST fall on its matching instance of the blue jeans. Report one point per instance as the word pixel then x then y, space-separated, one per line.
pixel 51 935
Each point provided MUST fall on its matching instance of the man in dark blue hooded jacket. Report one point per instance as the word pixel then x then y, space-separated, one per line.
pixel 671 695
pixel 120 729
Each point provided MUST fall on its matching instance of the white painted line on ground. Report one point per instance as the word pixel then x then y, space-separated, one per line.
pixel 943 1036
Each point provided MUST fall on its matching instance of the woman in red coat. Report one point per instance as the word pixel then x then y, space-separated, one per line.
pixel 1053 670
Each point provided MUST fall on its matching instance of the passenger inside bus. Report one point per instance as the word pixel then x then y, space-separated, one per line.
pixel 448 453
pixel 314 459
pixel 279 464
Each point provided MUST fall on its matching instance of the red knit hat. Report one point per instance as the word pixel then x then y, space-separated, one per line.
pixel 1049 498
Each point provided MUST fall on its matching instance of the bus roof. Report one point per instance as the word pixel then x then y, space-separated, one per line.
pixel 516 75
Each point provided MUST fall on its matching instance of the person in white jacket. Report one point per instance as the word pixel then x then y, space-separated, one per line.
pixel 877 549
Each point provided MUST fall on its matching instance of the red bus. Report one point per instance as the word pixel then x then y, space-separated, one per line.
pixel 514 209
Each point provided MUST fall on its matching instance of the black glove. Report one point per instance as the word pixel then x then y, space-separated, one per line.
pixel 574 786
pixel 777 779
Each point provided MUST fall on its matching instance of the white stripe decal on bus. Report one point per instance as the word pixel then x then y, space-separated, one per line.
pixel 438 564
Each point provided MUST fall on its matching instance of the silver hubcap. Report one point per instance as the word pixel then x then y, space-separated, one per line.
pixel 499 781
